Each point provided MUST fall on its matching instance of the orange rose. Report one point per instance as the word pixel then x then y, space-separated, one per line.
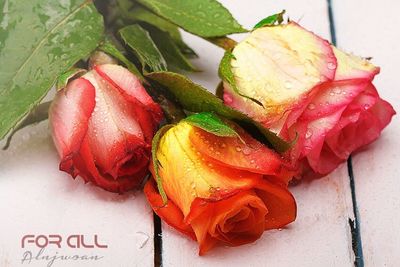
pixel 221 190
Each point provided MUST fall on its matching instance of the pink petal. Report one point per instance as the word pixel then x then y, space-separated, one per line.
pixel 278 66
pixel 332 96
pixel 129 84
pixel 114 131
pixel 69 116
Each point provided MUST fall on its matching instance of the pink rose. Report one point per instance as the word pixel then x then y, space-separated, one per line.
pixel 102 125
pixel 309 90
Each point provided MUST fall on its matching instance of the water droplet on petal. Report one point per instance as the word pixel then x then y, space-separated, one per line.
pixel 246 151
pixel 366 106
pixel 311 106
pixel 331 65
pixel 238 149
pixel 288 85
pixel 337 90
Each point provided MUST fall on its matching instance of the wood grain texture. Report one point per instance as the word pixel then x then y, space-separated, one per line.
pixel 321 234
pixel 371 29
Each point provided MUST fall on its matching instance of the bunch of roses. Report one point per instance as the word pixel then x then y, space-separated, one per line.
pixel 225 189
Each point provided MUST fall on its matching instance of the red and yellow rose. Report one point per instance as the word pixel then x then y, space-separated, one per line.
pixel 221 190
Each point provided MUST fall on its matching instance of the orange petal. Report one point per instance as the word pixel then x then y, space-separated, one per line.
pixel 188 174
pixel 234 221
pixel 280 203
pixel 232 152
pixel 170 213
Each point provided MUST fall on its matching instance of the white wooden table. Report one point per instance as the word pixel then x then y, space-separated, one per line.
pixel 35 198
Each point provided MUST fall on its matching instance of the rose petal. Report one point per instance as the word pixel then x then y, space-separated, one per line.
pixel 277 65
pixel 353 67
pixel 113 128
pixel 69 115
pixel 361 123
pixel 232 152
pixel 170 213
pixel 119 185
pixel 188 174
pixel 280 203
pixel 209 226
pixel 332 96
pixel 126 82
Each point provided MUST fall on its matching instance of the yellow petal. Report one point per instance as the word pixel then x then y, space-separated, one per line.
pixel 352 67
pixel 187 174
pixel 276 65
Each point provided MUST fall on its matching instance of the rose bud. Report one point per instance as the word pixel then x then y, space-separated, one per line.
pixel 102 125
pixel 304 89
pixel 220 189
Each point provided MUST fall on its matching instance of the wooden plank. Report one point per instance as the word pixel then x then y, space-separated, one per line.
pixel 371 29
pixel 36 198
pixel 321 234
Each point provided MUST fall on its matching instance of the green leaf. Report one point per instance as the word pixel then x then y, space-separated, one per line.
pixel 37 114
pixel 144 15
pixel 39 40
pixel 108 47
pixel 211 123
pixel 64 78
pixel 226 74
pixel 275 19
pixel 224 42
pixel 206 18
pixel 170 51
pixel 141 43
pixel 156 163
pixel 195 98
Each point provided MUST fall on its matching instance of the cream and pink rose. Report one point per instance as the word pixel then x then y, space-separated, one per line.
pixel 310 91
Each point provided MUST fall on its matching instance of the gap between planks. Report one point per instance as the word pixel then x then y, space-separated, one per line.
pixel 354 224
